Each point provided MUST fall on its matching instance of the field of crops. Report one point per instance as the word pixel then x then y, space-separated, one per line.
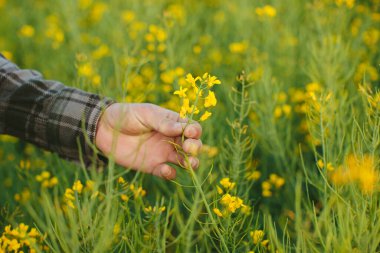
pixel 290 112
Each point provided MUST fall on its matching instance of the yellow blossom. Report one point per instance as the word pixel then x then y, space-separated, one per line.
pixel 266 185
pixel 320 164
pixel 181 92
pixel 90 185
pixel 124 197
pixel 257 236
pixel 219 190
pixel 210 100
pixel 266 193
pixel 121 180
pixel 267 10
pixel 69 194
pixel 217 212
pixel 246 209
pixel 227 184
pixel 26 31
pixel 205 116
pixel 210 80
pixel 238 47
pixel 78 186
pixel 85 70
pixel 128 16
pixel 254 175
pixel 191 80
pixel 231 202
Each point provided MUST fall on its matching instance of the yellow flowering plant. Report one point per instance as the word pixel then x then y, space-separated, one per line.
pixel 197 89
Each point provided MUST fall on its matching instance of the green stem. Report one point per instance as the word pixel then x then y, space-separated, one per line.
pixel 199 188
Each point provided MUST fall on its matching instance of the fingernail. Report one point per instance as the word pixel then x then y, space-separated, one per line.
pixel 166 171
pixel 194 162
pixel 193 149
pixel 190 132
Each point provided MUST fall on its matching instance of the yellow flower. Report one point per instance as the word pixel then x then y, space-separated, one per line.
pixel 235 203
pixel 128 16
pixel 320 164
pixel 205 116
pixel 26 31
pixel 360 170
pixel 279 182
pixel 267 193
pixel 78 186
pixel 254 175
pixel 330 167
pixel 124 197
pixel 69 194
pixel 14 245
pixel 226 198
pixel 238 47
pixel 210 100
pixel 219 190
pixel 231 202
pixel 278 112
pixel 266 185
pixel 217 212
pixel 267 10
pixel 116 229
pixel 85 70
pixel 191 80
pixel 181 92
pixel 227 184
pixel 185 108
pixel 211 80
pixel 246 209
pixel 53 181
pixel 265 243
pixel 90 185
pixel 270 10
pixel 287 109
pixel 33 232
pixel 257 236
pixel 121 180
pixel 7 54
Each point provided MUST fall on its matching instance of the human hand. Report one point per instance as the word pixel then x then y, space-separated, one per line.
pixel 143 137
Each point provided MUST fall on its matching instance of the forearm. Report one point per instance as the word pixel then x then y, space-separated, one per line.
pixel 48 113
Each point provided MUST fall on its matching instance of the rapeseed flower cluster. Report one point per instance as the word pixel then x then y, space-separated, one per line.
pixel 274 182
pixel 156 38
pixel 257 237
pixel 76 190
pixel 135 191
pixel 21 239
pixel 229 202
pixel 197 89
pixel 266 11
pixel 154 210
pixel 24 196
pixel 46 180
pixel 359 170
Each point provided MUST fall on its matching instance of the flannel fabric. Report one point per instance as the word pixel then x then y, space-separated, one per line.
pixel 47 113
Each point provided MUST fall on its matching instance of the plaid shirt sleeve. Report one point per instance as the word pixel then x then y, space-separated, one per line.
pixel 47 113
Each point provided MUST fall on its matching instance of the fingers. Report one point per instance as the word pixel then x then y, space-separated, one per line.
pixel 172 128
pixel 192 146
pixel 193 130
pixel 164 171
pixel 178 159
pixel 169 122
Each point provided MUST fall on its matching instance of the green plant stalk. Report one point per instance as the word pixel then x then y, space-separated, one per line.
pixel 199 189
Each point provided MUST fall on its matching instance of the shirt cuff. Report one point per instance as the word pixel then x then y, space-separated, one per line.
pixel 72 124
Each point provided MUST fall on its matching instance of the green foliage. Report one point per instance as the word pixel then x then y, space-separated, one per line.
pixel 292 147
